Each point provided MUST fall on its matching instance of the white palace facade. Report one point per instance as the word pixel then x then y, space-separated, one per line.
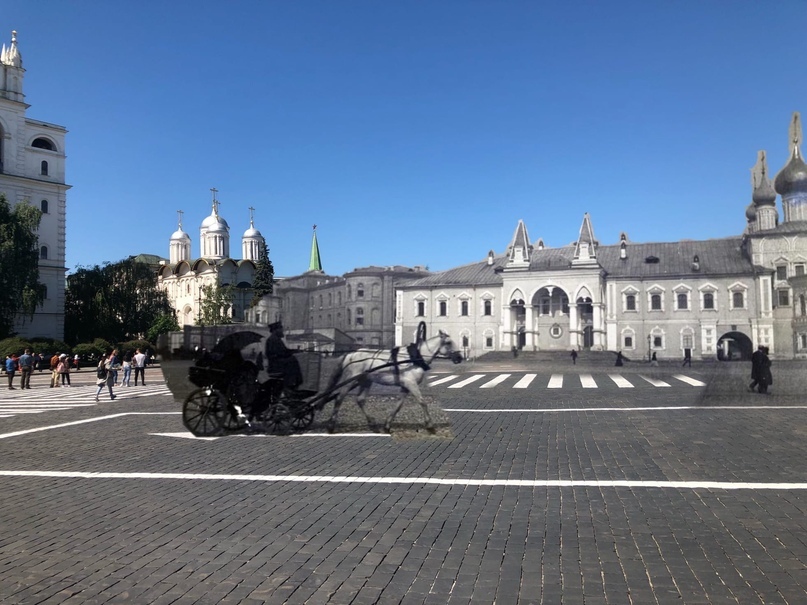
pixel 716 298
pixel 32 171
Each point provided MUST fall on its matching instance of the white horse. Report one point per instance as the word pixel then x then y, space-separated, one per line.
pixel 403 367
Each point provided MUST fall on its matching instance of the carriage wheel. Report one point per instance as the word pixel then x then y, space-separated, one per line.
pixel 278 421
pixel 302 418
pixel 202 411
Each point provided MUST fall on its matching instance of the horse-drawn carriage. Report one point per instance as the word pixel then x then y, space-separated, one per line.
pixel 235 394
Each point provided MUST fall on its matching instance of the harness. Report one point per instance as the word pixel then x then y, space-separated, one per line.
pixel 415 358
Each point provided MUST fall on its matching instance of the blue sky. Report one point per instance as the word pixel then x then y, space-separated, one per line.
pixel 410 132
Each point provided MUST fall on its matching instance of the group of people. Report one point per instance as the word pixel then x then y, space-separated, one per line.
pixel 112 363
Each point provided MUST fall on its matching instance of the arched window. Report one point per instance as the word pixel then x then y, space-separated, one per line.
pixel 43 253
pixel 655 302
pixel 360 291
pixel 43 168
pixel 488 308
pixel 43 206
pixel 360 316
pixel 464 308
pixel 708 300
pixel 421 310
pixel 42 143
pixel 443 308
pixel 803 305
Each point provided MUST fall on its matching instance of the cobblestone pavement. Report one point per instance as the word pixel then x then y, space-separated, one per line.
pixel 695 494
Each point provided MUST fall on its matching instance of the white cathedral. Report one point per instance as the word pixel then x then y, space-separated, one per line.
pixel 32 171
pixel 184 277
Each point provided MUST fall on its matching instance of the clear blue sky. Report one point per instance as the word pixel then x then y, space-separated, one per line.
pixel 410 132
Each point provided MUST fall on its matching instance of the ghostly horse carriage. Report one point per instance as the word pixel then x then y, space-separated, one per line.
pixel 236 394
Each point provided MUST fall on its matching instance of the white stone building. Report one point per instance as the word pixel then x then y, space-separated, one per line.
pixel 716 298
pixel 32 170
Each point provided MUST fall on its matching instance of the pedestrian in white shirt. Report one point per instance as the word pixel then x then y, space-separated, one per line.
pixel 139 363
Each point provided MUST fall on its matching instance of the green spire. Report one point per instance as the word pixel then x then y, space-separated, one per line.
pixel 315 264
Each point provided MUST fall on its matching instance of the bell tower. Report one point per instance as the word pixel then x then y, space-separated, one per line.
pixel 12 72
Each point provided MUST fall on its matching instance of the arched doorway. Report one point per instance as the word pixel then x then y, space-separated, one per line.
pixel 550 318
pixel 585 318
pixel 518 317
pixel 734 346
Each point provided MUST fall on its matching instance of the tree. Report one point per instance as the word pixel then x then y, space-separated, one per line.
pixel 117 301
pixel 162 325
pixel 20 290
pixel 216 303
pixel 264 282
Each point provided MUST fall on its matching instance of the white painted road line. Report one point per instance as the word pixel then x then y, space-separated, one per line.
pixel 528 483
pixel 587 381
pixel 620 381
pixel 467 381
pixel 442 380
pixel 498 380
pixel 654 381
pixel 639 409
pixel 688 380
pixel 525 381
pixel 555 382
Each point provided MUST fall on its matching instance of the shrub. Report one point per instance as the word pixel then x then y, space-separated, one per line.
pixel 14 346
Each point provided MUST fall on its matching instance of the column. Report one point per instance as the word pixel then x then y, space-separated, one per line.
pixel 574 329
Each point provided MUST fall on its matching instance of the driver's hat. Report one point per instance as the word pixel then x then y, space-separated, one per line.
pixel 276 326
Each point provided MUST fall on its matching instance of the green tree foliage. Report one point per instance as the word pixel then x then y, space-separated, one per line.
pixel 20 290
pixel 162 325
pixel 13 346
pixel 264 282
pixel 216 304
pixel 116 301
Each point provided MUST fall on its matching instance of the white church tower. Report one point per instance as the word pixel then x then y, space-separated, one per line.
pixel 32 171
pixel 252 242
pixel 214 234
pixel 180 244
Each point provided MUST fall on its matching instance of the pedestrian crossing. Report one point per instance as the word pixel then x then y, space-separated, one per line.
pixel 560 381
pixel 41 400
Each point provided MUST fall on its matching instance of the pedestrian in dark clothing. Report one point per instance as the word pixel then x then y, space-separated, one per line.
pixel 757 369
pixel 619 358
pixel 574 357
pixel 687 358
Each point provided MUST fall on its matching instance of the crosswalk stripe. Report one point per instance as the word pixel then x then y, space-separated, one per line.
pixel 467 381
pixel 525 381
pixel 688 380
pixel 555 382
pixel 587 381
pixel 654 381
pixel 492 383
pixel 442 380
pixel 620 381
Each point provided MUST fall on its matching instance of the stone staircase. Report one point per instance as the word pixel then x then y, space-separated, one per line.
pixel 584 358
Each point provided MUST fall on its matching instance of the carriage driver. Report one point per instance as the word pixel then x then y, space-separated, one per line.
pixel 280 359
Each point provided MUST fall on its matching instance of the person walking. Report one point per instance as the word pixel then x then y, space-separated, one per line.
pixel 26 364
pixel 104 376
pixel 54 370
pixel 619 358
pixel 126 381
pixel 654 360
pixel 574 357
pixel 64 369
pixel 11 369
pixel 757 369
pixel 687 358
pixel 139 362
